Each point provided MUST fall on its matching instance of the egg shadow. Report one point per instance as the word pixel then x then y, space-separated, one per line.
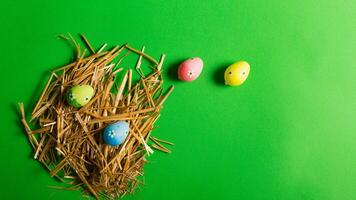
pixel 218 76
pixel 172 70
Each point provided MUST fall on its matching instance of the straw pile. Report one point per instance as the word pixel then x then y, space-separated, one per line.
pixel 68 141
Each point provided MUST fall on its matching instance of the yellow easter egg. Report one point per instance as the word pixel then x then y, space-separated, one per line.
pixel 237 73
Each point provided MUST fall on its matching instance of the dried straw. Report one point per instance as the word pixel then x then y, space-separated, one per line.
pixel 68 141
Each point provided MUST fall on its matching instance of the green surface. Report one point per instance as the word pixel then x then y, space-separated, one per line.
pixel 288 133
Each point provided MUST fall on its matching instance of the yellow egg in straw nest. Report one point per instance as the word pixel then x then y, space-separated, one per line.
pixel 68 140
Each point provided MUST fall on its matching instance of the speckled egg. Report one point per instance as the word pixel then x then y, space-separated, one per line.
pixel 79 95
pixel 237 73
pixel 190 69
pixel 116 133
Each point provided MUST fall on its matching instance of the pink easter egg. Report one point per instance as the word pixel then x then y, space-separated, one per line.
pixel 190 69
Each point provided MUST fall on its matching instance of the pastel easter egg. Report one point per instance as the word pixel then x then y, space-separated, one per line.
pixel 79 95
pixel 237 73
pixel 116 133
pixel 190 69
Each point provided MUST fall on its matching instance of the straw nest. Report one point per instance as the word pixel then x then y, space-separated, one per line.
pixel 68 141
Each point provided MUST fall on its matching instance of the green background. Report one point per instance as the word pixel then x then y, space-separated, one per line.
pixel 288 133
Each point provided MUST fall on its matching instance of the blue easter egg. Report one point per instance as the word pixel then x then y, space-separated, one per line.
pixel 116 133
